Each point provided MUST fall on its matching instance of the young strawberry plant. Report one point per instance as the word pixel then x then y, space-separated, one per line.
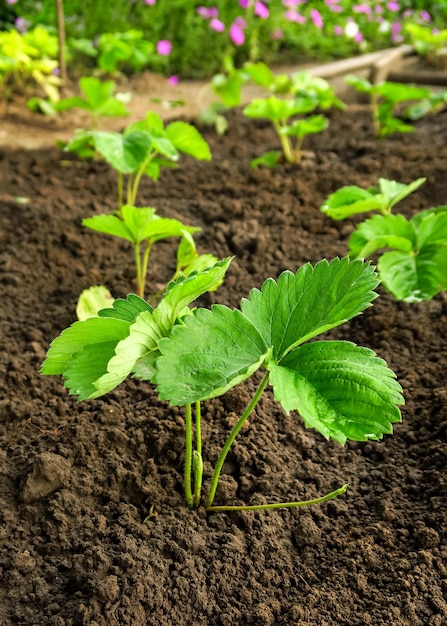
pixel 385 99
pixel 142 227
pixel 142 149
pixel 97 99
pixel 294 95
pixel 342 390
pixel 414 267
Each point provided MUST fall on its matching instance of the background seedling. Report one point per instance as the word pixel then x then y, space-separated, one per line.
pixel 415 267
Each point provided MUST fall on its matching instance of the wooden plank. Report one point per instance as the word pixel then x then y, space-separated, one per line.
pixel 390 61
pixel 419 78
pixel 355 64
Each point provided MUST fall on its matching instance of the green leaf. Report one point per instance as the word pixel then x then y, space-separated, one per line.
pixel 399 92
pixel 382 231
pixel 308 126
pixel 94 331
pixel 431 229
pixel 108 225
pixel 315 299
pixel 277 110
pixel 269 159
pixel 341 390
pixel 351 200
pixel 260 74
pixel 415 278
pixel 82 144
pixel 186 289
pixel 228 88
pixel 186 138
pixel 93 300
pixel 394 192
pixel 360 84
pixel 127 309
pixel 210 353
pixel 125 153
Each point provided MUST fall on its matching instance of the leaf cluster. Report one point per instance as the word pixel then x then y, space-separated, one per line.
pixel 413 262
pixel 342 390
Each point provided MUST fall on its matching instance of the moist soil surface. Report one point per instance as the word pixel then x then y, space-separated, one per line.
pixel 79 545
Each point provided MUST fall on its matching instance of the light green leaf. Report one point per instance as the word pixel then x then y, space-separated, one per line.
pixel 268 159
pixel 277 110
pixel 186 138
pixel 399 92
pixel 228 88
pixel 315 299
pixel 341 390
pixel 164 146
pixel 351 200
pixel 185 290
pixel 93 331
pixel 382 231
pixel 394 192
pixel 431 229
pixel 360 84
pixel 126 309
pixel 210 353
pixel 307 126
pixel 260 74
pixel 93 300
pixel 415 278
pixel 109 225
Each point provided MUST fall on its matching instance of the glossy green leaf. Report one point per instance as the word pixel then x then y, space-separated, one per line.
pixel 342 390
pixel 207 355
pixel 312 301
pixel 415 277
pixel 394 192
pixel 127 309
pixel 278 110
pixel 351 200
pixel 125 153
pixel 93 300
pixel 269 159
pixel 186 138
pixel 382 231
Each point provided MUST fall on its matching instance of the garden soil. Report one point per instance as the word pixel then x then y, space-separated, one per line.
pixel 93 526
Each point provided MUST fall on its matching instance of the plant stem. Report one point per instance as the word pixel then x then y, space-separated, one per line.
pixel 198 463
pixel 138 268
pixel 143 268
pixel 285 143
pixel 231 438
pixel 188 456
pixel 129 194
pixel 139 174
pixel 279 505
pixel 120 191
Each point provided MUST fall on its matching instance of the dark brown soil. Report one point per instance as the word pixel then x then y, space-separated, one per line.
pixel 78 480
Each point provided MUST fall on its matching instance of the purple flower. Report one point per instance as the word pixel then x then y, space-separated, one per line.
pixel 11 1
pixel 236 33
pixel 240 22
pixel 294 16
pixel 316 18
pixel 172 80
pixel 20 25
pixel 261 10
pixel 338 30
pixel 217 25
pixel 151 2
pixel 426 16
pixel 244 4
pixel 358 38
pixel 291 4
pixel 164 47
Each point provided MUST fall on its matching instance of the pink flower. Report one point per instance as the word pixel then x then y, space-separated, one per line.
pixel 426 16
pixel 240 22
pixel 316 18
pixel 261 10
pixel 396 27
pixel 236 34
pixel 338 30
pixel 293 16
pixel 393 6
pixel 207 13
pixel 172 80
pixel 362 8
pixel 244 4
pixel 291 4
pixel 152 2
pixel 11 1
pixel 276 34
pixel 358 38
pixel 217 25
pixel 164 47
pixel 378 9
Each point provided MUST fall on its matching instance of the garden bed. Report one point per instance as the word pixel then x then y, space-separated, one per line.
pixel 79 480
